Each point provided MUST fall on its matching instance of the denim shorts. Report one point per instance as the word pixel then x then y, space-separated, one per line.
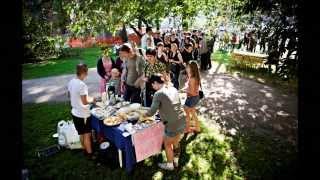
pixel 192 101
pixel 169 133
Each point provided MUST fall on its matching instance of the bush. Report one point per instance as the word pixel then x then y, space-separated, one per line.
pixel 42 48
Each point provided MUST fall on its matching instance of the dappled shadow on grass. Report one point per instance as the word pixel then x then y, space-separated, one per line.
pixel 264 157
pixel 259 121
pixel 236 104
pixel 208 155
pixel 203 156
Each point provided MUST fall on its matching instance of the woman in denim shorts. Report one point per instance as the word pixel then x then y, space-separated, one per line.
pixel 193 98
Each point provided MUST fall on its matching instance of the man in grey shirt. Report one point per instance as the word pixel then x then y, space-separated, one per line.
pixel 132 74
pixel 167 101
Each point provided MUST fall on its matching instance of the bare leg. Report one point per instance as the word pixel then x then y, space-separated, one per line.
pixel 176 146
pixel 82 141
pixel 194 115
pixel 187 110
pixel 87 142
pixel 169 149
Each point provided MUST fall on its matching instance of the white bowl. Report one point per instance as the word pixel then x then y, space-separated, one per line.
pixel 134 106
pixel 104 145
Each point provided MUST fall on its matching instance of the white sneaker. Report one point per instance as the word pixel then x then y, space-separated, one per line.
pixel 175 162
pixel 166 166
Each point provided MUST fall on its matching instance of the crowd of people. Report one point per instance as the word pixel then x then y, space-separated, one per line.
pixel 152 73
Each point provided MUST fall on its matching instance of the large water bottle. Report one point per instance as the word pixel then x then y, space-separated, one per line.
pixel 107 93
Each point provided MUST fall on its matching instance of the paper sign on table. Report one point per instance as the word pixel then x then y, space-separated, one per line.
pixel 148 142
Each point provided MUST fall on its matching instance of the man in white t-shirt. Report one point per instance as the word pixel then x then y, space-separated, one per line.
pixel 78 94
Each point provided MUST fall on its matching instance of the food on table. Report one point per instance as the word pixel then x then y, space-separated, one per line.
pixel 112 121
pixel 123 116
pixel 144 108
pixel 141 111
pixel 118 105
pixel 124 110
pixel 134 106
pixel 132 116
pixel 124 103
pixel 146 119
pixel 98 112
pixel 100 104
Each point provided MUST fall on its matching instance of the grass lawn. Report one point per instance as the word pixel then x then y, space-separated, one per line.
pixel 208 155
pixel 260 75
pixel 62 65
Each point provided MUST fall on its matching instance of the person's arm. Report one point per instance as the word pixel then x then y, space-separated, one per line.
pixel 141 66
pixel 184 89
pixel 165 57
pixel 123 76
pixel 180 59
pixel 136 31
pixel 100 69
pixel 85 99
pixel 143 41
pixel 155 105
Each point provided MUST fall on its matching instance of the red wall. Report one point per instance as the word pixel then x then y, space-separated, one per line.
pixel 90 41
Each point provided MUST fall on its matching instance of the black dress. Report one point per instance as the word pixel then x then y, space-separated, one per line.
pixel 175 69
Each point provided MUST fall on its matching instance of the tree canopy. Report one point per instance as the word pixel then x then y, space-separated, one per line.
pixel 274 20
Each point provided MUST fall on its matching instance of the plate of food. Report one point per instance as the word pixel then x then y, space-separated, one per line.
pixel 134 106
pixel 113 121
pixel 133 116
pixel 123 116
pixel 146 119
pixel 100 104
pixel 124 110
pixel 98 112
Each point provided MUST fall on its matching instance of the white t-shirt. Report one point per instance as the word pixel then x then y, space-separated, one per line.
pixel 144 41
pixel 77 88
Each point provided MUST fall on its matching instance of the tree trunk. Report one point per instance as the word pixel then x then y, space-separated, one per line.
pixel 158 24
pixel 123 34
pixel 139 23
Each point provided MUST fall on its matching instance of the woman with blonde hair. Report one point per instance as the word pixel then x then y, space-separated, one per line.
pixel 193 98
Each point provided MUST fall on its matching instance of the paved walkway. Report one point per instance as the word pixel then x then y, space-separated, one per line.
pixel 54 89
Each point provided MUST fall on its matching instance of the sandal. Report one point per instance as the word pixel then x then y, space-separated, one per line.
pixel 196 130
pixel 189 130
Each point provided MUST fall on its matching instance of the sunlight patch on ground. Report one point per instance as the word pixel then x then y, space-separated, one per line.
pixel 282 113
pixel 263 108
pixel 241 102
pixel 268 95
pixel 157 176
pixel 261 80
pixel 35 90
